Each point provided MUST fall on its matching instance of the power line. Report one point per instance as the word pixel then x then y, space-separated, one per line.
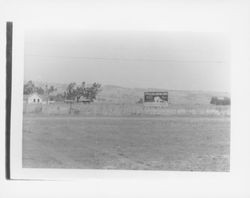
pixel 121 59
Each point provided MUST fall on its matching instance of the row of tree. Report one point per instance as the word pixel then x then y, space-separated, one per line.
pixel 30 88
pixel 72 92
pixel 76 92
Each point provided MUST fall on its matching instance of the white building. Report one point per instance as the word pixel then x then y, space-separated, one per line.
pixel 34 99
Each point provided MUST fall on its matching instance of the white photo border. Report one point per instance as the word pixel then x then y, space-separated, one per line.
pixel 192 182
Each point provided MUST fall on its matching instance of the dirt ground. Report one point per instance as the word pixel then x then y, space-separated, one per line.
pixel 159 143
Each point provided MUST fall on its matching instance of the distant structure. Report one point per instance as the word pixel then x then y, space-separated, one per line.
pixel 83 99
pixel 220 101
pixel 159 98
pixel 34 98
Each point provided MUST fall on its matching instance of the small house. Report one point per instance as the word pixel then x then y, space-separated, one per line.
pixel 34 99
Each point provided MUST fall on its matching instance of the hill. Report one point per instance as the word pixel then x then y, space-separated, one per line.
pixel 116 94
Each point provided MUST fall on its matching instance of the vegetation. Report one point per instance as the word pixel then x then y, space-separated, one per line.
pixel 30 88
pixel 59 97
pixel 49 90
pixel 76 92
pixel 72 92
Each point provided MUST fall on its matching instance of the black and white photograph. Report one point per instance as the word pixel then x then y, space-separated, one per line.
pixel 126 100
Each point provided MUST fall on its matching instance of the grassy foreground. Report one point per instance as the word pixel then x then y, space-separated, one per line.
pixel 167 143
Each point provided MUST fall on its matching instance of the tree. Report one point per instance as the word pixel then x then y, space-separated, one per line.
pixel 95 89
pixel 76 92
pixel 59 97
pixel 51 89
pixel 80 91
pixel 39 90
pixel 91 92
pixel 29 88
pixel 71 92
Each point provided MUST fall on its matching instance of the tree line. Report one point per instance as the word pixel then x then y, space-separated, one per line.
pixel 76 92
pixel 72 92
pixel 30 88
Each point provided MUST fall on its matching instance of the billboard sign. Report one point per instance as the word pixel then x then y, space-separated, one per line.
pixel 158 96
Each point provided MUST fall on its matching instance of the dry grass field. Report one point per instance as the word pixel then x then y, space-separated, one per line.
pixel 124 110
pixel 145 143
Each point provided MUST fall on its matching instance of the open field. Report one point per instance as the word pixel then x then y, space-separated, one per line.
pixel 147 143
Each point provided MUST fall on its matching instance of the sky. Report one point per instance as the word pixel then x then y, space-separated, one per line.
pixel 135 59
